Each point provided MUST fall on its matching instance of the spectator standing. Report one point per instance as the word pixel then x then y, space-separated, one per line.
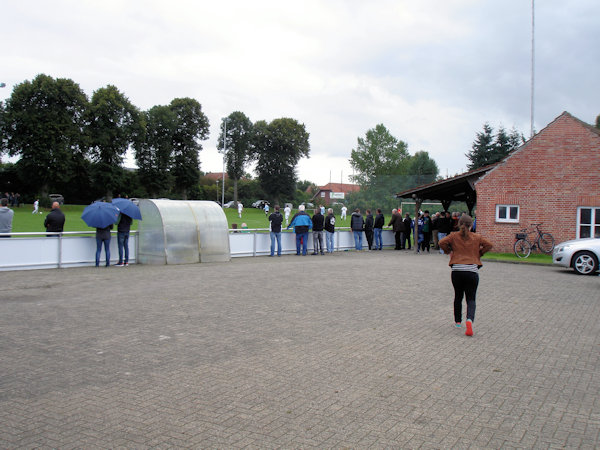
pixel 103 237
pixel 426 231
pixel 6 217
pixel 318 223
pixel 466 249
pixel 435 230
pixel 407 222
pixel 123 229
pixel 369 224
pixel 357 225
pixel 378 229
pixel 55 220
pixel 329 230
pixel 302 224
pixel 398 228
pixel 276 219
pixel 344 210
pixel 444 227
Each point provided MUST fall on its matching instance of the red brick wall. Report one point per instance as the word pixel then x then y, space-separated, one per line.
pixel 549 177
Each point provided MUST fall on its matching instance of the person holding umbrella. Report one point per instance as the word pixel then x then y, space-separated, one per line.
pixel 129 211
pixel 101 216
pixel 103 237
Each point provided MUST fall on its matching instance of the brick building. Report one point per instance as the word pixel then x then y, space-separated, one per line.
pixel 552 179
pixel 334 192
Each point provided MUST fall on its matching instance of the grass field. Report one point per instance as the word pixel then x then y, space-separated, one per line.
pixel 24 221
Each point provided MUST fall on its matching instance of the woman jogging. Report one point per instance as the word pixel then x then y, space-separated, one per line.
pixel 466 249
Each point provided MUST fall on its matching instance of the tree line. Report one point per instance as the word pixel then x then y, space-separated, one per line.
pixel 69 143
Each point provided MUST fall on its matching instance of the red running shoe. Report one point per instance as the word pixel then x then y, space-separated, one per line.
pixel 469 331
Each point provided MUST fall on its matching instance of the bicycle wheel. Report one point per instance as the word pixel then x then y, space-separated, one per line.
pixel 522 248
pixel 546 242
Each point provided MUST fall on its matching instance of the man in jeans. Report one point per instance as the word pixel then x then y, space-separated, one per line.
pixel 302 224
pixel 357 224
pixel 123 240
pixel 276 219
pixel 318 223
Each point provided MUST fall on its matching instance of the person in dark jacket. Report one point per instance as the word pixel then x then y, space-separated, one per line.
pixel 276 219
pixel 398 229
pixel 378 228
pixel 329 230
pixel 103 237
pixel 318 223
pixel 357 224
pixel 123 229
pixel 406 232
pixel 444 226
pixel 301 223
pixel 55 220
pixel 369 223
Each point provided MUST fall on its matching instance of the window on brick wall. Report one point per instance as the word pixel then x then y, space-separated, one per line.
pixel 507 213
pixel 588 222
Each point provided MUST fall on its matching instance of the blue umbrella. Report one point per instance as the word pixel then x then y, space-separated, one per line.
pixel 128 208
pixel 100 214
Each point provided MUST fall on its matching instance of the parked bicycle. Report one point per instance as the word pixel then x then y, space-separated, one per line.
pixel 541 240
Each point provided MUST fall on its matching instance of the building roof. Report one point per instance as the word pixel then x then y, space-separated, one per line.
pixel 216 176
pixel 340 187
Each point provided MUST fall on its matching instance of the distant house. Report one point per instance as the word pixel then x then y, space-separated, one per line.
pixel 333 192
pixel 214 176
pixel 553 179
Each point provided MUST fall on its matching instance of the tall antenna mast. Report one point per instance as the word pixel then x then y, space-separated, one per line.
pixel 532 62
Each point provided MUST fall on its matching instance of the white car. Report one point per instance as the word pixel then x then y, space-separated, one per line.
pixel 580 254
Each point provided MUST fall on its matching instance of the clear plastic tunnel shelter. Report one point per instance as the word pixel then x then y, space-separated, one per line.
pixel 182 232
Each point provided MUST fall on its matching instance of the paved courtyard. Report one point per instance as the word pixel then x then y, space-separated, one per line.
pixel 351 350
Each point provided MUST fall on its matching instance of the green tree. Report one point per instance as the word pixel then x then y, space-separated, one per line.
pixel 237 145
pixel 278 147
pixel 482 148
pixel 191 126
pixel 378 153
pixel 45 126
pixel 114 125
pixel 488 149
pixel 421 169
pixel 154 157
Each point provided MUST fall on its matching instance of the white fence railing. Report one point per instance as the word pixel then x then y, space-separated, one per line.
pixel 27 251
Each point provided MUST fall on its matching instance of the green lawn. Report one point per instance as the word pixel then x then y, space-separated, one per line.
pixel 25 221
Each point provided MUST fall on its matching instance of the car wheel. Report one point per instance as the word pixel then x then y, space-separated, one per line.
pixel 585 263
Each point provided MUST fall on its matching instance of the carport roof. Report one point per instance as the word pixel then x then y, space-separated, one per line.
pixel 460 188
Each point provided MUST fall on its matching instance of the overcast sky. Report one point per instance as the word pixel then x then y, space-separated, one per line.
pixel 431 71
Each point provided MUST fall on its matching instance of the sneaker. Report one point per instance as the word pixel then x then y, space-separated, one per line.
pixel 126 264
pixel 119 264
pixel 469 331
pixel 457 324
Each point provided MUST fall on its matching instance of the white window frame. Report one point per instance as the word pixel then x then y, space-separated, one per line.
pixel 594 210
pixel 507 219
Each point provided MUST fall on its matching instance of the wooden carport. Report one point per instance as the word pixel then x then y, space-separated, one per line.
pixel 460 188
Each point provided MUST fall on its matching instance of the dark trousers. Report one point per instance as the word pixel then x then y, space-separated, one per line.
pixel 465 284
pixel 426 241
pixel 405 239
pixel 369 235
pixel 398 239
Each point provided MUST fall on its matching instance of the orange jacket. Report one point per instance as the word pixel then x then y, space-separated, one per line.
pixel 465 251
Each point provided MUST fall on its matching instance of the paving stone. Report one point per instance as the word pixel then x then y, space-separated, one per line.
pixel 353 350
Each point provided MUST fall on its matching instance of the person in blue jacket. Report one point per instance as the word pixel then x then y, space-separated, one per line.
pixel 302 223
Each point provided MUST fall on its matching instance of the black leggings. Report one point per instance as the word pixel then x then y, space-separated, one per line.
pixel 465 283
